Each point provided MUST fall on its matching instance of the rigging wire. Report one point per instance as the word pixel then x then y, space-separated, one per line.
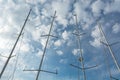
pixel 42 59
pixel 7 61
pixel 16 62
pixel 106 61
pixel 110 49
pixel 7 45
pixel 106 57
pixel 17 59
pixel 108 66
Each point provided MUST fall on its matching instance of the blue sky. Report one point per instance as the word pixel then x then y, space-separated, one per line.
pixel 61 51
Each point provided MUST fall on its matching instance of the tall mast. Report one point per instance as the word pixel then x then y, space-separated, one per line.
pixel 80 50
pixel 38 72
pixel 6 63
pixel 44 51
pixel 109 47
pixel 81 59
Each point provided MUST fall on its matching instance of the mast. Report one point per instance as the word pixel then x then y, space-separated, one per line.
pixel 6 63
pixel 109 47
pixel 44 51
pixel 81 59
pixel 38 72
pixel 80 50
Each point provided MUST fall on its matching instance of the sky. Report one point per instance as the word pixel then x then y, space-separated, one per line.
pixel 61 51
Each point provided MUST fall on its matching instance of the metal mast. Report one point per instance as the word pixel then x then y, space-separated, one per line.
pixel 80 50
pixel 107 65
pixel 6 63
pixel 109 47
pixel 40 65
pixel 81 59
pixel 45 47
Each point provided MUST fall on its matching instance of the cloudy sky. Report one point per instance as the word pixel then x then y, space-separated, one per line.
pixel 63 50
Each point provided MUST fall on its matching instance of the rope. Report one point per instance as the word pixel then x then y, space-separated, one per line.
pixel 106 61
pixel 106 56
pixel 15 66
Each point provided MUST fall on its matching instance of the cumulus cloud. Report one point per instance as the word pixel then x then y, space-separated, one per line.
pixel 58 43
pixel 79 10
pixel 12 18
pixel 113 6
pixel 85 17
pixel 25 47
pixel 116 28
pixel 75 51
pixel 97 7
pixel 33 2
pixel 38 32
pixel 62 8
pixel 97 37
pixel 59 52
pixel 65 35
pixel 13 14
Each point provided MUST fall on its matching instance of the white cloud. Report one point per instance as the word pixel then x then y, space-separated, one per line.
pixel 42 1
pixel 84 17
pixel 113 7
pixel 65 35
pixel 79 10
pixel 75 51
pixel 11 19
pixel 40 53
pixel 13 15
pixel 58 43
pixel 37 34
pixel 62 8
pixel 25 47
pixel 95 43
pixel 59 52
pixel 97 37
pixel 116 28
pixel 97 6
pixel 32 1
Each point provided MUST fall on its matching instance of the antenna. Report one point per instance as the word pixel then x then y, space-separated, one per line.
pixel 40 65
pixel 109 47
pixel 6 63
pixel 81 59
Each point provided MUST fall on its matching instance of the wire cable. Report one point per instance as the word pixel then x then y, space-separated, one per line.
pixel 17 59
